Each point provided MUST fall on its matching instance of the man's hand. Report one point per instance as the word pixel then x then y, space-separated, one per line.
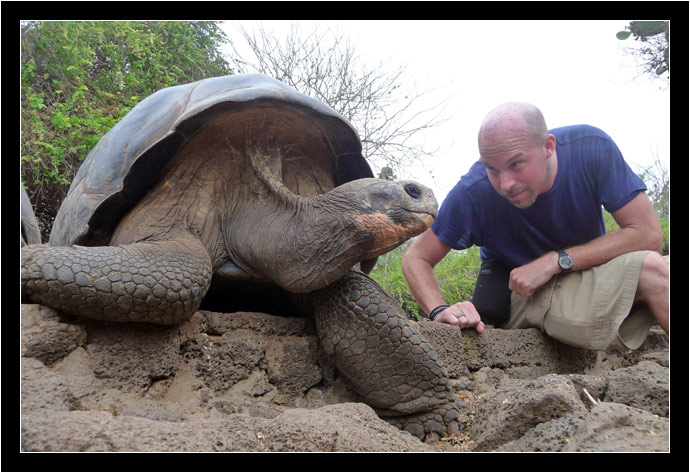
pixel 462 314
pixel 524 280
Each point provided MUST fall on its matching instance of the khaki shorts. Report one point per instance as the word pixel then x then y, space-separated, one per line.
pixel 591 309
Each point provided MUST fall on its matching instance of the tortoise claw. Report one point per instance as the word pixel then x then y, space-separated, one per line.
pixel 439 422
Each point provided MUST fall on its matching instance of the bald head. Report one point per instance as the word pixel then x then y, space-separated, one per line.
pixel 518 152
pixel 510 120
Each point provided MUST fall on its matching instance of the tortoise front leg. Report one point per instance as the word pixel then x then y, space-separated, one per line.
pixel 384 356
pixel 159 282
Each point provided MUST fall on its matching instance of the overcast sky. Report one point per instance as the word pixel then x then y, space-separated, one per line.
pixel 574 71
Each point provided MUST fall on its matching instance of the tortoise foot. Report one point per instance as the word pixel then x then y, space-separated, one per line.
pixel 384 356
pixel 439 422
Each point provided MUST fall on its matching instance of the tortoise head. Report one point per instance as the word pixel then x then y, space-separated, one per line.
pixel 383 214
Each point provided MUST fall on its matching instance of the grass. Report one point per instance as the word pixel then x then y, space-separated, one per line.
pixel 456 274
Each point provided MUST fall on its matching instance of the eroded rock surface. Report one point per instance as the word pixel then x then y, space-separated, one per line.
pixel 256 382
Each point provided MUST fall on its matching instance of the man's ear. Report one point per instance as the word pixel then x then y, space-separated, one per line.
pixel 550 145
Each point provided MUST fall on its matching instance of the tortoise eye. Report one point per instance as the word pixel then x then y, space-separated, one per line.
pixel 413 191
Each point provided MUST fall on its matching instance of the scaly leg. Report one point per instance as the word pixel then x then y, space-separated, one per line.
pixel 159 282
pixel 384 356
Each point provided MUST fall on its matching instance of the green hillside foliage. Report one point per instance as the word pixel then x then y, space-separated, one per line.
pixel 79 78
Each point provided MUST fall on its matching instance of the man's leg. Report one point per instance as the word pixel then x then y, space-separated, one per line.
pixel 595 308
pixel 653 288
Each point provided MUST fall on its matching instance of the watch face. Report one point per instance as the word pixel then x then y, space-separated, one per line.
pixel 565 262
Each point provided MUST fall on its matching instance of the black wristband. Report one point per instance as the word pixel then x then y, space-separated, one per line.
pixel 437 310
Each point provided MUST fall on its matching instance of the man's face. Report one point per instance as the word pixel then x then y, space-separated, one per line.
pixel 519 169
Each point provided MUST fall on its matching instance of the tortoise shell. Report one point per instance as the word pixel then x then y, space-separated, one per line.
pixel 129 158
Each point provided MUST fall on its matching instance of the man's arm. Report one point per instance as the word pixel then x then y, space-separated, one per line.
pixel 418 269
pixel 639 230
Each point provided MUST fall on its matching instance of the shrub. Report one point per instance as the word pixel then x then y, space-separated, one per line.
pixel 79 78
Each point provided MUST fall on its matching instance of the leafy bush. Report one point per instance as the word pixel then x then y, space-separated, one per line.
pixel 79 78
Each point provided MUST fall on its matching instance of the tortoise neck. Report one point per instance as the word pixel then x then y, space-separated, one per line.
pixel 299 243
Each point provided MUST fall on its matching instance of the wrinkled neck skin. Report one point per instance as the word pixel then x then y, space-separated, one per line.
pixel 300 244
pixel 303 244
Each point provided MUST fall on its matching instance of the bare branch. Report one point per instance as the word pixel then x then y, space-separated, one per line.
pixel 379 100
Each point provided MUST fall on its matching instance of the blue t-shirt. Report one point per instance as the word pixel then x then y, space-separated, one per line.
pixel 591 173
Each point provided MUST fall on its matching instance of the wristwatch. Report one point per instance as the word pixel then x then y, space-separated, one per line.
pixel 564 261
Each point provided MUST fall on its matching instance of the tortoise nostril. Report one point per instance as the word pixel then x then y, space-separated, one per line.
pixel 413 191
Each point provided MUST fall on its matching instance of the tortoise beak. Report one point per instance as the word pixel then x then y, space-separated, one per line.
pixel 426 218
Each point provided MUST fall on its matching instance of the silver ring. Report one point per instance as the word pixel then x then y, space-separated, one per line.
pixel 457 316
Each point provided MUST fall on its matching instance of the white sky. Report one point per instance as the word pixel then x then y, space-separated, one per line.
pixel 574 71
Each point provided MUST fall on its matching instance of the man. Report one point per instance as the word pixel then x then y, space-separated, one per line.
pixel 533 204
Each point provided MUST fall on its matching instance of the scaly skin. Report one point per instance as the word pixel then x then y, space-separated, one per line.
pixel 384 356
pixel 161 282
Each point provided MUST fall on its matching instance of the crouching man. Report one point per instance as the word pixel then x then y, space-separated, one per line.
pixel 532 203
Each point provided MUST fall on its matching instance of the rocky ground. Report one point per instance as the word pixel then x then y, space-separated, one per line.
pixel 253 382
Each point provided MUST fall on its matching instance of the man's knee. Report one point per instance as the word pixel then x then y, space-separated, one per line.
pixel 656 264
pixel 655 274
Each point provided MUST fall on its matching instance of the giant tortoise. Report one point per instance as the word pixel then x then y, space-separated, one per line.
pixel 242 178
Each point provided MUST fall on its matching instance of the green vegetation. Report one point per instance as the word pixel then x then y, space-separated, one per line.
pixel 456 273
pixel 653 50
pixel 79 78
